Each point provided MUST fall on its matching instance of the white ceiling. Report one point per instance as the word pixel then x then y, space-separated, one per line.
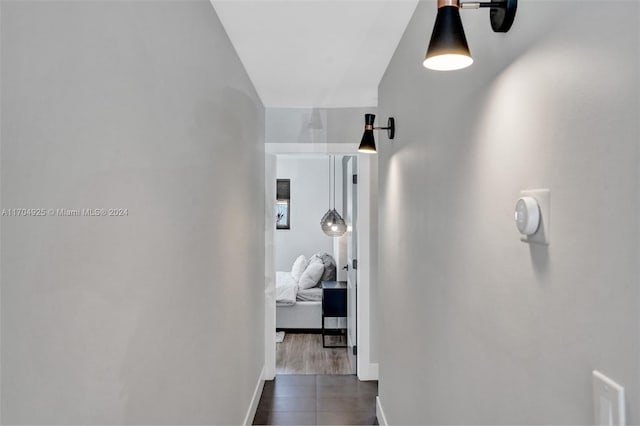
pixel 315 53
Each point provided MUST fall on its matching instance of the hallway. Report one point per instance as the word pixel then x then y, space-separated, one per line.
pixel 164 164
pixel 317 400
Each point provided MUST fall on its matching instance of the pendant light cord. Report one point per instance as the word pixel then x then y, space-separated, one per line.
pixel 329 192
pixel 334 182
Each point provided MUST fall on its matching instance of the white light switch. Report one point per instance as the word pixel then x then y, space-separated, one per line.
pixel 608 401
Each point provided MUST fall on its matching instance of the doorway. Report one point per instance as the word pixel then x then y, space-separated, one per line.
pixel 315 330
pixel 351 250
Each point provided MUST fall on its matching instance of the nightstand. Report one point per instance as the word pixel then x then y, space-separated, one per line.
pixel 334 305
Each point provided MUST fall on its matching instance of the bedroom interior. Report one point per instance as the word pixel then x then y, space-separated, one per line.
pixel 310 260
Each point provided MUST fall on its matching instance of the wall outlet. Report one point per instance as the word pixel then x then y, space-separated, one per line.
pixel 543 197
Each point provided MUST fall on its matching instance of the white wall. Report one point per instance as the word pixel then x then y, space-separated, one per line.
pixel 309 202
pixel 155 317
pixel 478 327
pixel 270 165
pixel 376 303
pixel 315 125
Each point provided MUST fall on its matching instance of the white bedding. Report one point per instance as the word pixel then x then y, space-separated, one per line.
pixel 310 294
pixel 297 308
pixel 286 289
pixel 292 314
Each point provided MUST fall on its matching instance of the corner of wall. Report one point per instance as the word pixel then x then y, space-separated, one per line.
pixel 255 399
pixel 382 419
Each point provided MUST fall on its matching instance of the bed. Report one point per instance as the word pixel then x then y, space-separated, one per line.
pixel 302 315
pixel 305 316
pixel 299 308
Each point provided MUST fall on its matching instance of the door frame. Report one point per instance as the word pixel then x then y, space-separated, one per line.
pixel 367 370
pixel 350 215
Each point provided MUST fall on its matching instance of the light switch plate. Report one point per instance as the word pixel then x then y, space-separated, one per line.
pixel 543 197
pixel 608 401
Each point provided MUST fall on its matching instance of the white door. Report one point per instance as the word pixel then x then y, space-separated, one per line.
pixel 351 214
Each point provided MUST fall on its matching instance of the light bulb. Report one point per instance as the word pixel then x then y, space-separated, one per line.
pixel 448 62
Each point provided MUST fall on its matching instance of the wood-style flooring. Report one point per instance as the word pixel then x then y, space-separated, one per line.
pixel 303 354
pixel 317 400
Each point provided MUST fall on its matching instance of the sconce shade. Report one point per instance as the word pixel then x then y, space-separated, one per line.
pixel 368 143
pixel 448 49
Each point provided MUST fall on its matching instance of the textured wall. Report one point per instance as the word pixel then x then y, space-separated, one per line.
pixel 478 327
pixel 155 317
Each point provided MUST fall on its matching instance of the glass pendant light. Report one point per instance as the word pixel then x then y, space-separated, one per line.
pixel 332 223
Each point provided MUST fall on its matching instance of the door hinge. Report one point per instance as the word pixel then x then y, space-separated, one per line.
pixel 355 263
pixel 355 179
pixel 355 350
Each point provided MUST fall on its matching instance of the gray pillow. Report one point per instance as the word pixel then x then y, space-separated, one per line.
pixel 330 270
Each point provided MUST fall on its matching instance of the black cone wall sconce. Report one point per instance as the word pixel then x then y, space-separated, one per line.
pixel 448 49
pixel 368 142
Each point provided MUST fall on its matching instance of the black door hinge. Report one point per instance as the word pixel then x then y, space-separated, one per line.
pixel 355 179
pixel 355 351
pixel 355 263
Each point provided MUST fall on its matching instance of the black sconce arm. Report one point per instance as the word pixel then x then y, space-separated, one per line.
pixel 478 4
pixel 502 12
pixel 391 128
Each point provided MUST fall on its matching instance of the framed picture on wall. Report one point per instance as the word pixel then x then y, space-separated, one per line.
pixel 283 206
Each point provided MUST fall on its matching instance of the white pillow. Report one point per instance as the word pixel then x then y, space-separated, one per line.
pixel 314 259
pixel 311 276
pixel 298 267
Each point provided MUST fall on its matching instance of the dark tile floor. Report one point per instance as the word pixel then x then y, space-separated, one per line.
pixel 317 400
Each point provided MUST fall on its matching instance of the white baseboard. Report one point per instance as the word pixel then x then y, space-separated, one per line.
pixel 368 371
pixel 382 419
pixel 255 400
